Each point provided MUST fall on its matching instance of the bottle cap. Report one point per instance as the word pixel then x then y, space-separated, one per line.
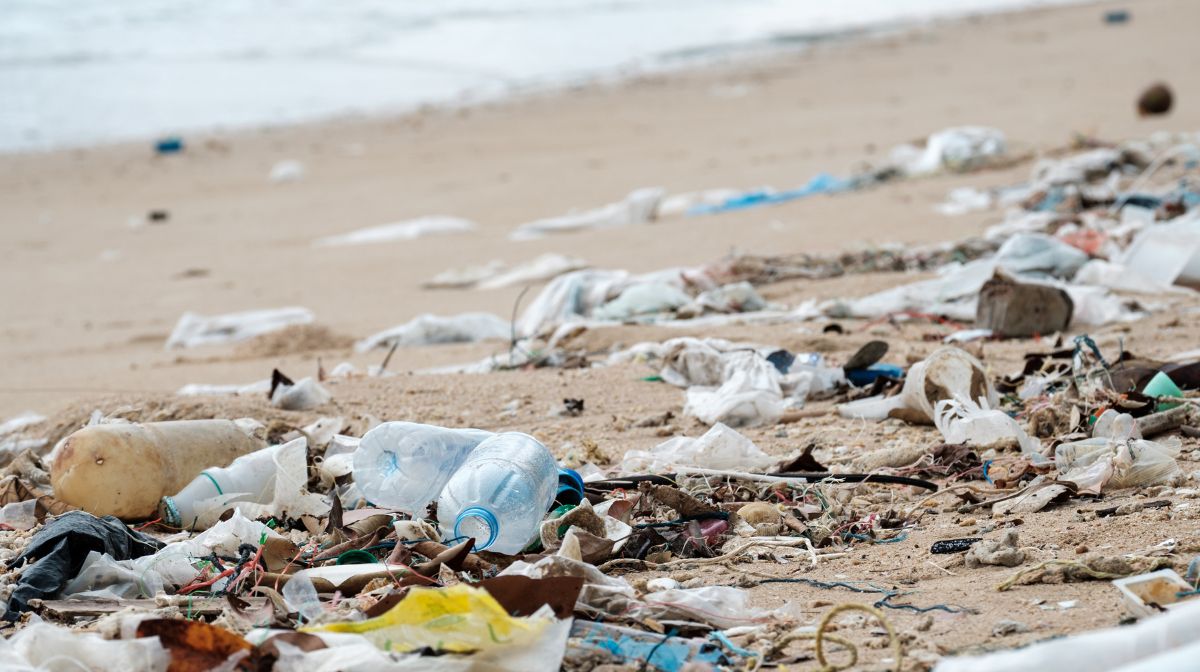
pixel 169 512
pixel 570 487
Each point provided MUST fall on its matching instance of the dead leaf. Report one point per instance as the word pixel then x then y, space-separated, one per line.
pixel 195 646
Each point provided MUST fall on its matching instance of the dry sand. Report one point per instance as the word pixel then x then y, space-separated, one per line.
pixel 91 299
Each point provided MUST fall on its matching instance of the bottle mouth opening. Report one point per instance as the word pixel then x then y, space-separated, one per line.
pixel 478 523
pixel 169 512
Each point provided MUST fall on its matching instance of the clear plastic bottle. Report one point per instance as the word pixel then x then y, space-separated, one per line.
pixel 248 478
pixel 404 465
pixel 500 494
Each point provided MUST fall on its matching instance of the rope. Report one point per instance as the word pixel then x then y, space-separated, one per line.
pixel 819 638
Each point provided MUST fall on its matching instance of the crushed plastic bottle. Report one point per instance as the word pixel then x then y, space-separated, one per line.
pixel 405 465
pixel 500 494
pixel 273 477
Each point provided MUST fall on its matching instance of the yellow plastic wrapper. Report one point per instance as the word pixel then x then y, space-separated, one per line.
pixel 458 619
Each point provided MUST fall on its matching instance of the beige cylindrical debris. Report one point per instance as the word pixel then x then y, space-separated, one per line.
pixel 124 470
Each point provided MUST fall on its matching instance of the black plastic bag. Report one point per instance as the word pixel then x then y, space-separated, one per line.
pixel 59 549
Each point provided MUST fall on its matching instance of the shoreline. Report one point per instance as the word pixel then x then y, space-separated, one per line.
pixel 690 62
pixel 99 296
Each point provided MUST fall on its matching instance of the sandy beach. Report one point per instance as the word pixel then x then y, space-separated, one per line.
pixel 94 288
pixel 92 299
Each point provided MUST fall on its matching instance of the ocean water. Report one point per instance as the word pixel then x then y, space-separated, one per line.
pixel 80 72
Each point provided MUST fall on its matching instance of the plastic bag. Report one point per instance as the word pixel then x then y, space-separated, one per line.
pixel 305 395
pixel 430 329
pixel 953 149
pixel 719 606
pixel 42 646
pixel 719 448
pixel 407 230
pixel 750 394
pixel 1116 461
pixel 102 577
pixel 947 373
pixel 457 619
pixel 193 329
pixel 638 207
pixel 962 421
pixel 644 298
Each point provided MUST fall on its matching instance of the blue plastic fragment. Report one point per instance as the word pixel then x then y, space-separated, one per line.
pixel 864 377
pixel 821 183
pixel 670 654
pixel 169 145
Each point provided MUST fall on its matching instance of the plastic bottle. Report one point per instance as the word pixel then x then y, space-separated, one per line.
pixel 249 478
pixel 500 494
pixel 124 470
pixel 404 465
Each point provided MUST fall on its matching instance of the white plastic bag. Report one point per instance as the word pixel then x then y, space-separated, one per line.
pixel 962 421
pixel 749 396
pixel 719 448
pixel 193 330
pixel 1116 461
pixel 430 329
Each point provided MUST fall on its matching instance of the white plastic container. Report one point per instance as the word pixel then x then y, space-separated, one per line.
pixel 501 494
pixel 405 465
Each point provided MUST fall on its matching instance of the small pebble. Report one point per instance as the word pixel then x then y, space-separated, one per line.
pixel 1081 549
pixel 967 522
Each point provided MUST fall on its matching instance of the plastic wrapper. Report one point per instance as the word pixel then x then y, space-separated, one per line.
pixel 457 619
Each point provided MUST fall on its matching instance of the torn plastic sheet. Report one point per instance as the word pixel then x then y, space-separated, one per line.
pixel 750 394
pixel 255 389
pixel 406 230
pixel 962 421
pixel 303 395
pixel 427 329
pixel 1118 460
pixel 195 330
pixel 719 448
pixel 955 149
pixel 41 646
pixel 638 207
pixel 719 606
pixel 821 183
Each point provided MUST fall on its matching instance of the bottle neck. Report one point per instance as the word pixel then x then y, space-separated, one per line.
pixel 478 523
